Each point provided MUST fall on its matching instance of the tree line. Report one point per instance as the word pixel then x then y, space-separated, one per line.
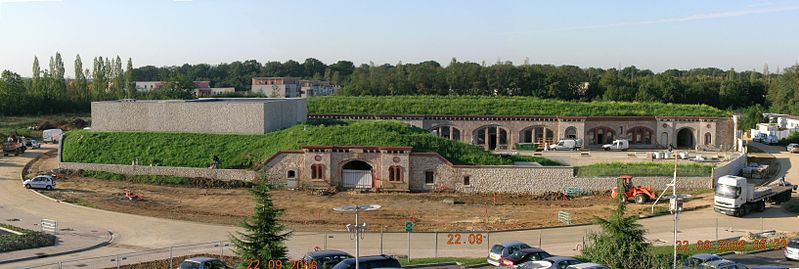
pixel 47 91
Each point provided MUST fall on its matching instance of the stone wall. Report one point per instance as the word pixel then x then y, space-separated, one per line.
pixel 240 116
pixel 219 174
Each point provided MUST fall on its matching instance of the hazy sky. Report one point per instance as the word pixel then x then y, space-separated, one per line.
pixel 656 35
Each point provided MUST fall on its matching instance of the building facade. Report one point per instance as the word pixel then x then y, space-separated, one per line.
pixel 210 115
pixel 201 88
pixel 287 87
pixel 507 132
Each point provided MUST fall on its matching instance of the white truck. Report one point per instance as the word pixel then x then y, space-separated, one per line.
pixel 619 144
pixel 51 135
pixel 736 197
pixel 567 144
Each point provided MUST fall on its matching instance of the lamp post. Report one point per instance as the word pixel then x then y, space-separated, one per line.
pixel 357 228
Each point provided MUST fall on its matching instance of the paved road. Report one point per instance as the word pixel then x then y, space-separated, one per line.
pixel 140 233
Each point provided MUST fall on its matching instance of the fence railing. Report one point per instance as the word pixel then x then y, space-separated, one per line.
pixel 170 256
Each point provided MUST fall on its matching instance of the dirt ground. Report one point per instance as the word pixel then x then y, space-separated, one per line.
pixel 307 211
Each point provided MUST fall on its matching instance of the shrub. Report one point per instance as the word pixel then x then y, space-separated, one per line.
pixel 498 105
pixel 642 169
pixel 526 146
pixel 793 138
pixel 29 239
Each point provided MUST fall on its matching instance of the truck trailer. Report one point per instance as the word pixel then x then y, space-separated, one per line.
pixel 736 197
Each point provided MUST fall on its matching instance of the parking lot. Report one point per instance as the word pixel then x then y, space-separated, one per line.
pixel 593 156
pixel 774 257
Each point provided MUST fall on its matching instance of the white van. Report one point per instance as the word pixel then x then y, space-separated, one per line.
pixel 51 135
pixel 567 144
pixel 619 144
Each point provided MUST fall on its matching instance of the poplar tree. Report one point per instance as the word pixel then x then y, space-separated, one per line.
pixel 130 88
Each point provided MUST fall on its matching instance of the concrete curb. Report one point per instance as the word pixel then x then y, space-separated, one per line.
pixel 102 244
pixel 430 265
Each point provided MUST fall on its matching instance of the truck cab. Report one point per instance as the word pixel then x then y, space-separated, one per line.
pixel 735 196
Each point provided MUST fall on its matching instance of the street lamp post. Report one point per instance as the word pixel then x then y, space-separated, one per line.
pixel 357 228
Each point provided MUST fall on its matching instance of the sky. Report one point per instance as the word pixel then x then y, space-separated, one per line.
pixel 656 35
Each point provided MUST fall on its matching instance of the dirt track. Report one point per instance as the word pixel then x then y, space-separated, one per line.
pixel 306 211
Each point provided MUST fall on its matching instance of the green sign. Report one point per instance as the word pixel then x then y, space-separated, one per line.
pixel 408 226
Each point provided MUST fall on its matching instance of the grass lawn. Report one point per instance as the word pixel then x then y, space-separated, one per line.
pixel 713 249
pixel 643 169
pixel 461 260
pixel 249 151
pixel 29 239
pixel 498 105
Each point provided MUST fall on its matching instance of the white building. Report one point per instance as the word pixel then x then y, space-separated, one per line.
pixel 287 87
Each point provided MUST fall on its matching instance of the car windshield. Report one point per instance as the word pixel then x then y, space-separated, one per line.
pixel 190 265
pixel 728 191
pixel 497 249
pixel 793 244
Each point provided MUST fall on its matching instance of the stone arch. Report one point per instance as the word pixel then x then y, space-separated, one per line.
pixel 447 131
pixel 357 173
pixel 600 135
pixel 685 138
pixel 570 132
pixel 537 134
pixel 491 137
pixel 640 135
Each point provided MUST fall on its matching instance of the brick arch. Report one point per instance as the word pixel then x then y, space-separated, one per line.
pixel 641 135
pixel 491 136
pixel 600 135
pixel 448 131
pixel 537 134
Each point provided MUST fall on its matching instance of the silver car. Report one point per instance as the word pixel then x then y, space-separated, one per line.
pixel 792 148
pixel 792 250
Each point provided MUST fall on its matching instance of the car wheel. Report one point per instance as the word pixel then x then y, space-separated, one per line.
pixel 27 186
pixel 607 149
pixel 641 198
pixel 49 187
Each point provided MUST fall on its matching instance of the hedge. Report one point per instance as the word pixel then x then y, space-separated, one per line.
pixel 29 239
pixel 642 169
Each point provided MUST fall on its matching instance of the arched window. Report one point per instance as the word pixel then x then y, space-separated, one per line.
pixel 291 174
pixel 447 132
pixel 395 173
pixel 538 134
pixel 490 137
pixel 640 135
pixel 318 171
pixel 708 140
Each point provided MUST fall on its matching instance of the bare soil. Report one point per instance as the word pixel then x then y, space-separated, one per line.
pixel 309 211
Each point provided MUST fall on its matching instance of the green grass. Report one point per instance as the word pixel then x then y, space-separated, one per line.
pixel 714 249
pixel 498 105
pixel 248 151
pixel 19 124
pixel 29 239
pixel 461 260
pixel 642 169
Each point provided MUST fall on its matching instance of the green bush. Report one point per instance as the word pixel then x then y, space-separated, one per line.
pixel 642 169
pixel 498 105
pixel 793 138
pixel 248 151
pixel 29 239
pixel 144 179
pixel 526 146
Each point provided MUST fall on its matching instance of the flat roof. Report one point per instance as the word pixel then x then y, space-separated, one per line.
pixel 205 100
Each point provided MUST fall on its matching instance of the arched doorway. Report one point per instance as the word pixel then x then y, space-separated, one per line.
pixel 491 137
pixel 600 135
pixel 357 174
pixel 685 138
pixel 570 132
pixel 447 132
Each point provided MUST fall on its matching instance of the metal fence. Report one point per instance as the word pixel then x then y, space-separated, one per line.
pixel 217 248
pixel 561 241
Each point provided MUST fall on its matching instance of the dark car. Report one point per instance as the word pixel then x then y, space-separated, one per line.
pixel 203 263
pixel 554 262
pixel 369 262
pixel 499 251
pixel 723 264
pixel 698 259
pixel 770 267
pixel 523 255
pixel 326 259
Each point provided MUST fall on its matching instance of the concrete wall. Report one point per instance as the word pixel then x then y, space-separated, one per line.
pixel 243 116
pixel 219 174
pixel 733 167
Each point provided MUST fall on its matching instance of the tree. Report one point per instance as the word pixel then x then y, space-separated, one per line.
pixel 130 87
pixel 263 237
pixel 81 84
pixel 621 242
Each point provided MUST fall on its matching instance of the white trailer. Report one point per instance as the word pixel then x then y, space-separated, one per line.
pixel 736 197
pixel 51 135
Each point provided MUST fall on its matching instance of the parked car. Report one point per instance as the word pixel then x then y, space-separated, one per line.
pixel 696 260
pixel 203 263
pixel 587 266
pixel 555 262
pixel 792 250
pixel 793 148
pixel 619 144
pixel 567 144
pixel 723 264
pixel 369 262
pixel 770 267
pixel 524 255
pixel 40 182
pixel 499 251
pixel 326 259
pixel 35 144
pixel 770 140
pixel 760 137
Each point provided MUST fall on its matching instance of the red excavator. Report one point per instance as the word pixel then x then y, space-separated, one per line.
pixel 639 194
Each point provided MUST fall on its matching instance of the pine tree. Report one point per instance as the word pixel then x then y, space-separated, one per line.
pixel 263 236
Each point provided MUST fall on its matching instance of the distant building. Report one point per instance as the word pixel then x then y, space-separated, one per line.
pixel 287 87
pixel 202 88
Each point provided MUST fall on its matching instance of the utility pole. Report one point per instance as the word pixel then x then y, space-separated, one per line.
pixel 357 228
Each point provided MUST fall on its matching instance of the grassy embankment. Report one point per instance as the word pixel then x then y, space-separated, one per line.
pixel 248 151
pixel 29 239
pixel 643 169
pixel 498 105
